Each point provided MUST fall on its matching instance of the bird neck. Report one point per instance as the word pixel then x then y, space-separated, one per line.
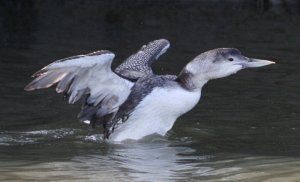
pixel 190 81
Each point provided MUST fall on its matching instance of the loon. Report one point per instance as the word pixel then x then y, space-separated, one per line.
pixel 132 102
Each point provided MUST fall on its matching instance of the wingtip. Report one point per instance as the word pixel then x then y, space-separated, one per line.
pixel 101 52
pixel 38 73
pixel 163 41
pixel 28 88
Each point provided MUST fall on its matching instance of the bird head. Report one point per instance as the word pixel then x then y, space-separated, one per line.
pixel 222 62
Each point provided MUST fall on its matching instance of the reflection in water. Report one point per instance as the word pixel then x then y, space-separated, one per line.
pixel 156 159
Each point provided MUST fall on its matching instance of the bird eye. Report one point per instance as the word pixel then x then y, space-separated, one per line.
pixel 230 59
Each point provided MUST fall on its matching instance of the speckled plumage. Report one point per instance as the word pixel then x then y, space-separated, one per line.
pixel 139 64
pixel 132 102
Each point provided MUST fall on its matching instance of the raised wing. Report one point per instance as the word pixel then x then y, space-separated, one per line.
pixel 139 65
pixel 89 75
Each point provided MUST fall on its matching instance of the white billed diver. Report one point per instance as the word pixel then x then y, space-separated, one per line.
pixel 132 102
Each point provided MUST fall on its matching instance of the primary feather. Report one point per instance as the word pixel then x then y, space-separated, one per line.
pixel 90 75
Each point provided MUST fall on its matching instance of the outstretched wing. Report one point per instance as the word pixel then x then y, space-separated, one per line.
pixel 139 65
pixel 89 75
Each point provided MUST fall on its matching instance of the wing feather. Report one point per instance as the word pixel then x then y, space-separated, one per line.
pixel 90 75
pixel 139 64
pixel 81 75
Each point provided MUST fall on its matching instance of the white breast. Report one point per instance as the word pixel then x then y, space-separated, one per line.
pixel 156 113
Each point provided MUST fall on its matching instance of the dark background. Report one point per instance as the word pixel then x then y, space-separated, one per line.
pixel 256 110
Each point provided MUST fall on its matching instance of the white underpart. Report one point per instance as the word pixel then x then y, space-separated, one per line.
pixel 156 113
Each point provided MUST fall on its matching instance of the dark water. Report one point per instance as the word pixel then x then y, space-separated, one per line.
pixel 245 128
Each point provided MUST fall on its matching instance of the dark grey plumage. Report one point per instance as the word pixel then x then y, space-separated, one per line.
pixel 184 79
pixel 139 64
pixel 218 54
